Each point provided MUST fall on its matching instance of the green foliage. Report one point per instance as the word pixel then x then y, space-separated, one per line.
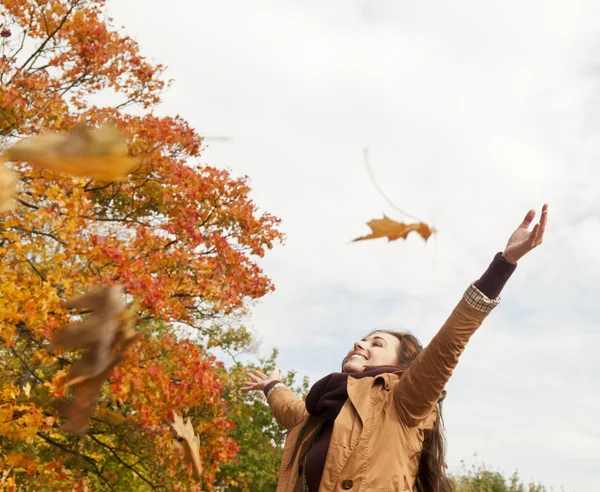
pixel 258 434
pixel 479 478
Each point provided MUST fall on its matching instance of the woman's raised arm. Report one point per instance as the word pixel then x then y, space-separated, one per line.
pixel 288 409
pixel 420 387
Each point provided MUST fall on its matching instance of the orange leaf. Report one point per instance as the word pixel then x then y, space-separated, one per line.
pixel 100 153
pixel 190 444
pixel 393 230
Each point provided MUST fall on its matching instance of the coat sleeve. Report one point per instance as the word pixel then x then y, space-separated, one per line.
pixel 421 385
pixel 288 409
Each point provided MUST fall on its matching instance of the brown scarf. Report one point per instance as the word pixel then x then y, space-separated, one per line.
pixel 328 395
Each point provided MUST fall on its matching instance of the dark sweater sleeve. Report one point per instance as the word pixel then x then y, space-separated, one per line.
pixel 270 385
pixel 495 277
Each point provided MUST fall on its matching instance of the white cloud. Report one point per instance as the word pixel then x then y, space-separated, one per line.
pixel 473 112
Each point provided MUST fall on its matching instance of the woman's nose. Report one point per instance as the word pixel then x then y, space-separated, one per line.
pixel 359 345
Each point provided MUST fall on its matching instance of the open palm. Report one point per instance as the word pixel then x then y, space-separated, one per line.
pixel 259 380
pixel 522 241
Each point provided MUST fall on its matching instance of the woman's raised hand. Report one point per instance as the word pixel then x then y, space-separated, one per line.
pixel 523 240
pixel 258 380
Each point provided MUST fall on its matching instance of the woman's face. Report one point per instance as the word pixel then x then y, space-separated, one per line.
pixel 378 349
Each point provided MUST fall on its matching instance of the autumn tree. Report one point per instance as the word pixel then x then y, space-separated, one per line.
pixel 180 236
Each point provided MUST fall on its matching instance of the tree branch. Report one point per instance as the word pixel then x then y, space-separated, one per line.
pixel 120 460
pixel 90 460
pixel 40 233
pixel 16 354
pixel 34 268
pixel 38 51
pixel 27 204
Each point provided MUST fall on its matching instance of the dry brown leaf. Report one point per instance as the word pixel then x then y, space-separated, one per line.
pixel 190 443
pixel 97 333
pixel 99 153
pixel 106 334
pixel 8 187
pixel 77 413
pixel 393 230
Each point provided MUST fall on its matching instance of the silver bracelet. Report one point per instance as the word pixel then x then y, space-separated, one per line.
pixel 278 385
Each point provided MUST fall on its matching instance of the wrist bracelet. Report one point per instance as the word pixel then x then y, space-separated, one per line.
pixel 278 385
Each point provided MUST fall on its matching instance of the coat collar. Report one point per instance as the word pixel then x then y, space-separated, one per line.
pixel 359 391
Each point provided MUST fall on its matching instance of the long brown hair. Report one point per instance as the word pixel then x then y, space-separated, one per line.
pixel 431 476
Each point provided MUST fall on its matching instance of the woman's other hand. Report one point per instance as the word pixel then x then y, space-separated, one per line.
pixel 258 380
pixel 523 240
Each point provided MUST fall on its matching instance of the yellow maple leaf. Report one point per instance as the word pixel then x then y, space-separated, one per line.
pixel 27 389
pixel 99 153
pixel 393 230
pixel 190 443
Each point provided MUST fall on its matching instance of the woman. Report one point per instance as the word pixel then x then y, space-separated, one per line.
pixel 376 426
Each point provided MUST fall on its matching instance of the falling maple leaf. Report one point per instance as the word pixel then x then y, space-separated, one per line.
pixel 190 443
pixel 393 230
pixel 77 413
pixel 27 389
pixel 97 332
pixel 99 153
pixel 106 334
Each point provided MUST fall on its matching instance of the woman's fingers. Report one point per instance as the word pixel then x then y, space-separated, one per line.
pixel 533 238
pixel 537 235
pixel 254 378
pixel 527 220
pixel 258 381
pixel 543 222
pixel 251 386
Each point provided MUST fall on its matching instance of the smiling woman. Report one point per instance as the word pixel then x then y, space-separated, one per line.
pixel 377 425
pixel 378 349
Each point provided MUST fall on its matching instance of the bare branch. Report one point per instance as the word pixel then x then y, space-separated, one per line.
pixel 90 460
pixel 34 268
pixel 120 460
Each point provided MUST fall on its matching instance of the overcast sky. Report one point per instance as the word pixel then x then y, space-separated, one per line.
pixel 473 112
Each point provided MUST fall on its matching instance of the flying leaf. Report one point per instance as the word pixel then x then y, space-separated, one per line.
pixel 107 333
pixel 27 389
pixel 393 230
pixel 78 413
pixel 190 443
pixel 97 333
pixel 8 182
pixel 99 153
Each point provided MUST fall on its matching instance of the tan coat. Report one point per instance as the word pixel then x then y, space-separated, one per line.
pixel 379 432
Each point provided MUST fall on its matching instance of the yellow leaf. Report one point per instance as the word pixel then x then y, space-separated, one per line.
pixel 190 444
pixel 393 230
pixel 99 153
